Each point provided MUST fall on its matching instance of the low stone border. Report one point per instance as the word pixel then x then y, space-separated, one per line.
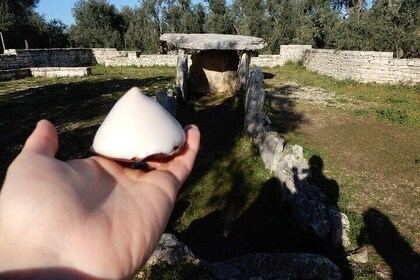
pixel 45 72
pixel 61 71
pixel 252 266
pixel 289 166
pixel 14 74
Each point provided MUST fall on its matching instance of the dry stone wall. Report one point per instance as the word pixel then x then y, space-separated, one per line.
pixel 17 58
pixel 379 67
pixel 362 66
pixel 129 59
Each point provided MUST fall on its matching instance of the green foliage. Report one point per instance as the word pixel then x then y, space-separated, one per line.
pixel 98 24
pixel 387 26
pixel 19 22
pixel 219 18
pixel 250 18
pixel 148 39
pixel 380 25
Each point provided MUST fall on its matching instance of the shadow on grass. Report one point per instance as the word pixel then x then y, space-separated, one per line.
pixel 245 219
pixel 221 126
pixel 282 109
pixel 265 226
pixel 390 245
pixel 64 105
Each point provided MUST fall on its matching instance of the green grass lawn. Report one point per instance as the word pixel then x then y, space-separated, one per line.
pixel 231 205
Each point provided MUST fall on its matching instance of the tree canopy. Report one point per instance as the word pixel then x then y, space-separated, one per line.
pixel 380 25
pixel 20 22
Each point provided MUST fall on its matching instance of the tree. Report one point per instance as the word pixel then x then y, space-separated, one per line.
pixel 127 15
pixel 323 21
pixel 182 17
pixel 14 21
pixel 97 24
pixel 219 19
pixel 197 19
pixel 251 18
pixel 141 34
pixel 56 34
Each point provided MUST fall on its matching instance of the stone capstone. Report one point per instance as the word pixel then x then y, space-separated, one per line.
pixel 210 41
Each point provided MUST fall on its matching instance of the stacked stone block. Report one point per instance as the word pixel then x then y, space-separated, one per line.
pixel 379 67
pixel 361 66
pixel 366 67
pixel 16 58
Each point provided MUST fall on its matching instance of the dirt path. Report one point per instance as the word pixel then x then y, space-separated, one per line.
pixel 374 162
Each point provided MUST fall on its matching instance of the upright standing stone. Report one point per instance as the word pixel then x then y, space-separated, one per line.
pixel 182 73
pixel 243 71
pixel 254 102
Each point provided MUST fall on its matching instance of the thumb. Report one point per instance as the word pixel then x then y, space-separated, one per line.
pixel 43 140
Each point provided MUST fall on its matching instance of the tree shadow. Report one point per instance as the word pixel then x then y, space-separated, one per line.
pixel 380 232
pixel 265 226
pixel 65 105
pixel 268 225
pixel 283 112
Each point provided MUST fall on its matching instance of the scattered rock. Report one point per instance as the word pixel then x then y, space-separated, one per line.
pixel 273 266
pixel 251 266
pixel 359 255
pixel 340 227
pixel 383 272
pixel 170 250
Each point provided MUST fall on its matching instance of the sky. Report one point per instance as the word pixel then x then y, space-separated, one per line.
pixel 61 9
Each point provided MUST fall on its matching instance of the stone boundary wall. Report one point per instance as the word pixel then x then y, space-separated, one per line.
pixel 142 60
pixel 45 72
pixel 17 58
pixel 366 67
pixel 361 66
pixel 379 67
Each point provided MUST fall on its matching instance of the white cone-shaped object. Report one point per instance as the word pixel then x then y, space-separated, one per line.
pixel 138 127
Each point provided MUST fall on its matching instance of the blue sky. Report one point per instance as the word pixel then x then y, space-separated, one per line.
pixel 61 9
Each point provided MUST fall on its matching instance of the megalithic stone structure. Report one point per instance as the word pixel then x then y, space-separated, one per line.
pixel 216 66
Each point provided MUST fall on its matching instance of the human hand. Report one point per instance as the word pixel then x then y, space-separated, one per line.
pixel 93 217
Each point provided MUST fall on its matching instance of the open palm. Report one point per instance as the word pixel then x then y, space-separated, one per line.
pixel 94 216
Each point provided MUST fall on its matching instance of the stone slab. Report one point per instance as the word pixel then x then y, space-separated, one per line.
pixel 210 41
pixel 61 71
pixel 14 74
